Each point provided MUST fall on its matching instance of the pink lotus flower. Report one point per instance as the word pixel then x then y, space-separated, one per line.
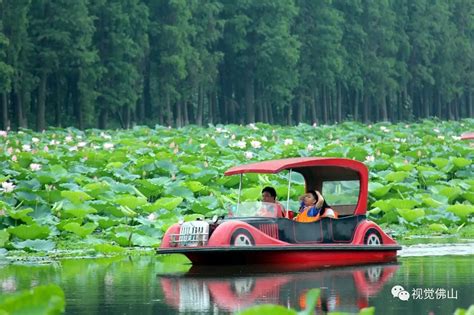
pixel 7 187
pixel 35 167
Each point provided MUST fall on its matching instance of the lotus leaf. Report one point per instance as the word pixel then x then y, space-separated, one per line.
pixel 168 203
pixel 403 203
pixel 109 249
pixel 45 299
pixel 97 189
pixel 268 309
pixel 77 210
pixel 178 190
pixel 130 201
pixel 82 231
pixel 252 194
pixel 461 162
pixel 4 237
pixel 440 162
pixel 35 245
pixel 397 176
pixel 437 227
pixel 189 169
pixel 379 190
pixel 461 210
pixel 144 241
pixel 411 215
pixel 76 196
pixel 21 215
pixel 357 153
pixel 469 196
pixel 195 186
pixel 29 232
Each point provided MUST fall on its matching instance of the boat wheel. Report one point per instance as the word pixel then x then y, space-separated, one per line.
pixel 242 237
pixel 373 238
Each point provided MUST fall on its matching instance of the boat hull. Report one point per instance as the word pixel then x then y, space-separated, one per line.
pixel 302 256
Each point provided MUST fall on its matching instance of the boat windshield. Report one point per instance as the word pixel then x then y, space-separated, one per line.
pixel 256 209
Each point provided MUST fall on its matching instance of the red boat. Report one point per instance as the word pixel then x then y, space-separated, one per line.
pixel 246 236
pixel 467 136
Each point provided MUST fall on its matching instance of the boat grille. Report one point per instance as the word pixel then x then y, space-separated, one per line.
pixel 269 229
pixel 193 233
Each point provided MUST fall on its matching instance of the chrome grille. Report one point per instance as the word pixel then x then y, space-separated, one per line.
pixel 194 233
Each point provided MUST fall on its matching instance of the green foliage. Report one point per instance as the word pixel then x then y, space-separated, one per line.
pixel 71 197
pixel 46 299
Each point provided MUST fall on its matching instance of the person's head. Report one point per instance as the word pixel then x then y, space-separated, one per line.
pixel 269 194
pixel 314 198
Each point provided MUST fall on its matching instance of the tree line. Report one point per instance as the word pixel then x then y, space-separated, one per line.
pixel 118 63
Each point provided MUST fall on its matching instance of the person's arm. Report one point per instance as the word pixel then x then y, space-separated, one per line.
pixel 313 212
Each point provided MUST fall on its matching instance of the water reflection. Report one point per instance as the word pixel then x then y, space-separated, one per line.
pixel 342 289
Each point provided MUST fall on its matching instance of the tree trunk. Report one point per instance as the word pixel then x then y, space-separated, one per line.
pixel 103 118
pixel 185 113
pixel 383 105
pixel 169 112
pixel 339 103
pixel 57 104
pixel 215 108
pixel 470 108
pixel 299 108
pixel 249 97
pixel 356 105
pixel 40 111
pixel 145 109
pixel 314 97
pixel 18 107
pixel 200 105
pixel 271 117
pixel 325 104
pixel 179 118
pixel 366 108
pixel 5 125
pixel 126 116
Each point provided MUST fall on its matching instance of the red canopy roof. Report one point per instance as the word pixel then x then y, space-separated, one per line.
pixel 467 136
pixel 276 166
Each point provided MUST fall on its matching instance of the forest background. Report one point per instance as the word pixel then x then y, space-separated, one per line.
pixel 120 63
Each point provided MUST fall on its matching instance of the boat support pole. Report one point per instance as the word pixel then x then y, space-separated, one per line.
pixel 240 191
pixel 289 187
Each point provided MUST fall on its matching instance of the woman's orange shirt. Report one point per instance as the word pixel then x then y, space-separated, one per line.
pixel 303 216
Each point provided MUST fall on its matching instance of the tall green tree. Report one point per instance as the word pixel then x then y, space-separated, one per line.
pixel 319 28
pixel 19 57
pixel 256 38
pixel 121 40
pixel 61 32
pixel 6 72
pixel 170 46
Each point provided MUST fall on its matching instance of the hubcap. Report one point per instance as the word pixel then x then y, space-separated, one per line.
pixel 373 240
pixel 242 240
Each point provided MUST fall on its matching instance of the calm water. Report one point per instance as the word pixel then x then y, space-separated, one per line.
pixel 434 284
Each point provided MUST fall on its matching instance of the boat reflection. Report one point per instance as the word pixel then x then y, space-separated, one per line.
pixel 229 289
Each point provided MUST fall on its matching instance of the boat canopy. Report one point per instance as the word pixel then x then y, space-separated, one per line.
pixel 315 171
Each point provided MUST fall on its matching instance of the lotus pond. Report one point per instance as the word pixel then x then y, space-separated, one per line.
pixel 67 193
pixel 100 191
